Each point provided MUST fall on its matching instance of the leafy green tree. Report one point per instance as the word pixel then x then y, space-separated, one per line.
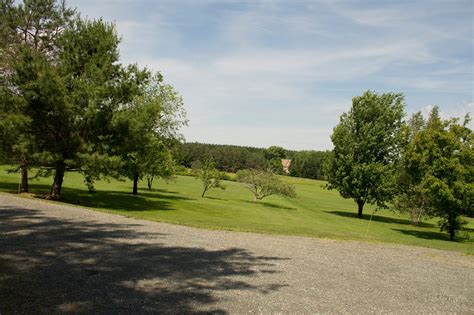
pixel 274 155
pixel 264 183
pixel 366 148
pixel 309 164
pixel 158 162
pixel 208 174
pixel 146 130
pixel 410 197
pixel 441 159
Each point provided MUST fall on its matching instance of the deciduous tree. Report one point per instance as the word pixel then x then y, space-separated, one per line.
pixel 366 147
pixel 264 183
pixel 147 128
pixel 208 174
pixel 410 196
pixel 441 159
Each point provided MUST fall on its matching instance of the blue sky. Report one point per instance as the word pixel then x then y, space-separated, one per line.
pixel 263 73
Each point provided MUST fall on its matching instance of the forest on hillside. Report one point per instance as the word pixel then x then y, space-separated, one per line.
pixel 232 158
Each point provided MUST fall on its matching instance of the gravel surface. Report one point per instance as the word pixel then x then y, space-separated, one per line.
pixel 58 258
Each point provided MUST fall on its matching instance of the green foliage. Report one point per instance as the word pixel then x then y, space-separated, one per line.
pixel 65 95
pixel 228 158
pixel 274 155
pixel 264 183
pixel 410 198
pixel 146 129
pixel 29 34
pixel 208 174
pixel 439 161
pixel 309 164
pixel 366 147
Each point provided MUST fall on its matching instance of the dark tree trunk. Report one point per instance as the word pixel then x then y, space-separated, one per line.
pixel 24 179
pixel 149 182
pixel 451 233
pixel 135 183
pixel 451 227
pixel 360 208
pixel 58 180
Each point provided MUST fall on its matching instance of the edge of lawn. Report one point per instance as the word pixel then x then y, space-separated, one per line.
pixel 325 236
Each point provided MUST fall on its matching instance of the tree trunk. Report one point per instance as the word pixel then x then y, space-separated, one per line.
pixel 149 182
pixel 451 233
pixel 451 227
pixel 360 207
pixel 58 180
pixel 135 183
pixel 24 179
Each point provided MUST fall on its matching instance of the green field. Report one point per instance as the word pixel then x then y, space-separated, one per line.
pixel 315 212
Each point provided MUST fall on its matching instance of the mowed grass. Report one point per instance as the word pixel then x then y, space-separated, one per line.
pixel 315 212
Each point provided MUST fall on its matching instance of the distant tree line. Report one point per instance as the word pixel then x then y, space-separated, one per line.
pixel 227 158
pixel 233 158
pixel 309 164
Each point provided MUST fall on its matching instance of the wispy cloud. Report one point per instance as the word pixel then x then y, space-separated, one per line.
pixel 276 72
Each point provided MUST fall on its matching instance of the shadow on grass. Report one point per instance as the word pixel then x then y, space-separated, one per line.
pixel 215 198
pixel 471 230
pixel 120 200
pixel 427 235
pixel 34 187
pixel 162 190
pixel 379 218
pixel 270 205
pixel 53 265
pixel 114 200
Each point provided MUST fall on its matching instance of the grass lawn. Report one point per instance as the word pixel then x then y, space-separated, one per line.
pixel 315 212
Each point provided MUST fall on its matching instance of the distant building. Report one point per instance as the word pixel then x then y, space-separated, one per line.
pixel 286 165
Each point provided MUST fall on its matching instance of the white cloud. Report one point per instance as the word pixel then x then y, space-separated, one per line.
pixel 263 73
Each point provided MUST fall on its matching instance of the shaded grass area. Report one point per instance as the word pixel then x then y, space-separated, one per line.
pixel 379 218
pixel 315 212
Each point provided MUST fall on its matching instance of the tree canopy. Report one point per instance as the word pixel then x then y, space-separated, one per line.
pixel 64 93
pixel 366 147
pixel 264 183
pixel 208 174
pixel 438 168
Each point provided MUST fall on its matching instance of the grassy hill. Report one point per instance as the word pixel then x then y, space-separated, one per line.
pixel 315 212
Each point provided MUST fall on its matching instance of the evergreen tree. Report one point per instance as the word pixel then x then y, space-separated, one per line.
pixel 29 33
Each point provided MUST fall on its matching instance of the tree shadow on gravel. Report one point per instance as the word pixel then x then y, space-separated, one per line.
pixel 50 265
pixel 379 218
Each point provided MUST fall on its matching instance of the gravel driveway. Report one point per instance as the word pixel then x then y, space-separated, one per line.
pixel 58 258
